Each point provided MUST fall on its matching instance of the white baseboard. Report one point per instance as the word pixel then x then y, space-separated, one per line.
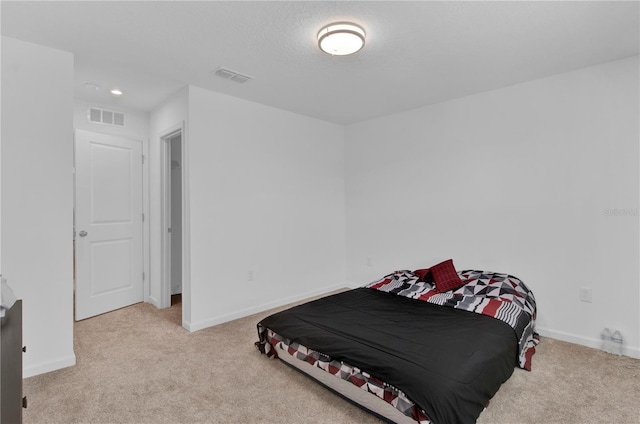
pixel 48 366
pixel 195 326
pixel 632 351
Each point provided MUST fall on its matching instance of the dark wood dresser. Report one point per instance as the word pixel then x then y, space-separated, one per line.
pixel 11 400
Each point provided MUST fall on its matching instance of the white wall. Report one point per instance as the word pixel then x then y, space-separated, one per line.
pixel 37 197
pixel 266 199
pixel 516 180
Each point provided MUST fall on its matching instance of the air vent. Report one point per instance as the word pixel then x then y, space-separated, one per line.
pixel 107 117
pixel 232 75
pixel 224 73
pixel 118 119
pixel 102 116
pixel 95 115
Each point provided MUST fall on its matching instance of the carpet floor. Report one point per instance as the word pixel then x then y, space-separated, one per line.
pixel 138 365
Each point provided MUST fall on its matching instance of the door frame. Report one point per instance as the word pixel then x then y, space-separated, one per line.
pixel 165 214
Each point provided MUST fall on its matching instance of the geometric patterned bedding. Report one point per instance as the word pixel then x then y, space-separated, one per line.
pixel 500 296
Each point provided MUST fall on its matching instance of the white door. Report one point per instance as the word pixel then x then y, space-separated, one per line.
pixel 108 223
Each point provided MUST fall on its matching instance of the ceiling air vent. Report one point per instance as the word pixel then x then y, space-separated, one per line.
pixel 102 116
pixel 232 75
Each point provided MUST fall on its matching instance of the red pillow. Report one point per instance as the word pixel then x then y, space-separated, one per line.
pixel 445 276
pixel 421 273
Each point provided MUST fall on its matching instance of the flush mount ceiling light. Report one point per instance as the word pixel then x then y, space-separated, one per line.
pixel 116 92
pixel 340 39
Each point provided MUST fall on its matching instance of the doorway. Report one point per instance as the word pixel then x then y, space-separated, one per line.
pixel 172 217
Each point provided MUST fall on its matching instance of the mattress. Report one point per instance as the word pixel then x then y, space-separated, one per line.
pixel 447 362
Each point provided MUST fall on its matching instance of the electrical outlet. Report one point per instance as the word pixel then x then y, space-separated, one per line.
pixel 585 294
pixel 368 261
pixel 250 276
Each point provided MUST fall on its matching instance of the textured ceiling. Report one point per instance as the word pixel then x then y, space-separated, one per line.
pixel 417 53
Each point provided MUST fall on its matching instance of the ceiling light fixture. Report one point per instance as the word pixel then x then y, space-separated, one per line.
pixel 116 92
pixel 341 38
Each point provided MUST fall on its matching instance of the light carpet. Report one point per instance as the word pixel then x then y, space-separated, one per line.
pixel 138 365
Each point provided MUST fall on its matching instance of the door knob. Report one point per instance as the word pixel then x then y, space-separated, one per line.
pixel 82 234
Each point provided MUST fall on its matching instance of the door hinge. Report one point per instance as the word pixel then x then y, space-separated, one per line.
pixel 143 159
pixel 143 276
pixel 142 217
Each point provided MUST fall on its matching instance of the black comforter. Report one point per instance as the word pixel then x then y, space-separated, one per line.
pixel 449 362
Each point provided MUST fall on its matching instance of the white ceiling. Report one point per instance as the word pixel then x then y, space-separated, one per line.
pixel 417 52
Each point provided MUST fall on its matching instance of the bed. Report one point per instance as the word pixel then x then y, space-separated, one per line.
pixel 415 346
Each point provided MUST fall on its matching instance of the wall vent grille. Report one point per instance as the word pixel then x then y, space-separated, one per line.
pixel 103 116
pixel 231 75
